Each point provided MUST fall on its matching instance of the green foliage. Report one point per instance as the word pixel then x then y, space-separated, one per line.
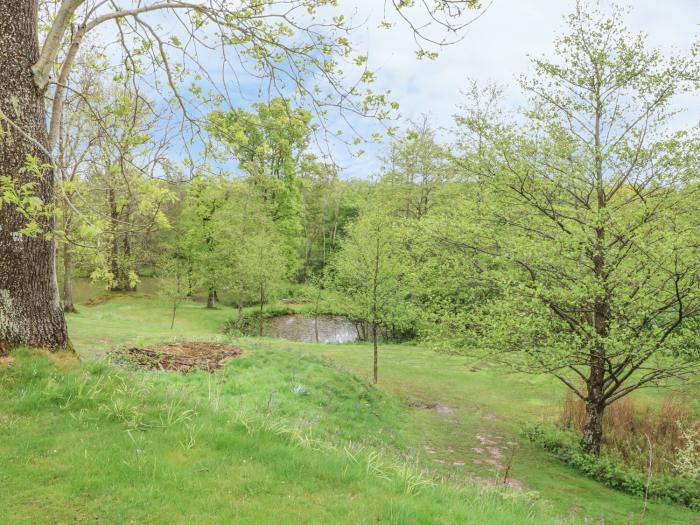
pixel 370 271
pixel 251 248
pixel 612 472
pixel 326 208
pixel 23 198
pixel 117 191
pixel 579 219
pixel 268 145
pixel 417 174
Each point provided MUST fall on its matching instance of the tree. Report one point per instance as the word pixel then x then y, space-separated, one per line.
pixel 322 196
pixel 30 310
pixel 126 197
pixel 586 223
pixel 416 172
pixel 201 234
pixel 250 248
pixel 369 271
pixel 174 269
pixel 77 135
pixel 277 41
pixel 269 145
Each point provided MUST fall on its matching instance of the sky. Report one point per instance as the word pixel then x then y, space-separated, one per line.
pixel 497 47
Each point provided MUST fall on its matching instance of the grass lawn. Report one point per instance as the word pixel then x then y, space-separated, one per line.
pixel 91 444
pixel 480 403
pixel 289 433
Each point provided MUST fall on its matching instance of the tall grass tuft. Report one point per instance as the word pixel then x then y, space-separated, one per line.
pixel 631 430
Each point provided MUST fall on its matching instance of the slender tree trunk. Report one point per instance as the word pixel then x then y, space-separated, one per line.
pixel 376 353
pixel 190 281
pixel 114 249
pixel 177 294
pixel 260 317
pixel 127 266
pixel 240 316
pixel 316 311
pixel 375 299
pixel 211 298
pixel 595 401
pixel 68 305
pixel 30 307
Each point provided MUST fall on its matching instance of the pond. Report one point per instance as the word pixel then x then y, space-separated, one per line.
pixel 331 329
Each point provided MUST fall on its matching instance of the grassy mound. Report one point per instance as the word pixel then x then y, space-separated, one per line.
pixel 450 407
pixel 266 439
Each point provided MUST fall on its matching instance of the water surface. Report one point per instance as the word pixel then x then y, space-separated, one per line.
pixel 331 329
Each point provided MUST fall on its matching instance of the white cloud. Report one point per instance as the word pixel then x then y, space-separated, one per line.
pixel 496 47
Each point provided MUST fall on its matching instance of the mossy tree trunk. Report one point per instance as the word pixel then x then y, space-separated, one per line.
pixel 30 308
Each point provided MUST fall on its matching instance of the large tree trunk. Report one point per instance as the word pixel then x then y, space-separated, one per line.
pixel 593 427
pixel 68 305
pixel 30 308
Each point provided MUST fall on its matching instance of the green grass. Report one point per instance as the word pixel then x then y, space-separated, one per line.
pixel 271 437
pixel 90 443
pixel 489 401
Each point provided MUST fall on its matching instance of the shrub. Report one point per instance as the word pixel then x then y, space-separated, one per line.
pixel 688 458
pixel 628 429
pixel 613 472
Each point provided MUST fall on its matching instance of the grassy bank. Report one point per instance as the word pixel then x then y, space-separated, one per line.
pixel 277 430
pixel 89 443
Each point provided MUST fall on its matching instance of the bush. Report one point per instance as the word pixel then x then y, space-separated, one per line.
pixel 612 472
pixel 629 429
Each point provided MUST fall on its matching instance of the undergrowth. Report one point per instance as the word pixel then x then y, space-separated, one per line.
pixel 631 430
pixel 614 472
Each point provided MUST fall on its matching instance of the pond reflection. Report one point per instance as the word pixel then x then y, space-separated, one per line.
pixel 323 329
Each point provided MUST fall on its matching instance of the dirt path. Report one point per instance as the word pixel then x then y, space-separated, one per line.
pixel 489 462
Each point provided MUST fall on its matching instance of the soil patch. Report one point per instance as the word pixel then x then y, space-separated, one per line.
pixel 180 357
pixel 443 409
